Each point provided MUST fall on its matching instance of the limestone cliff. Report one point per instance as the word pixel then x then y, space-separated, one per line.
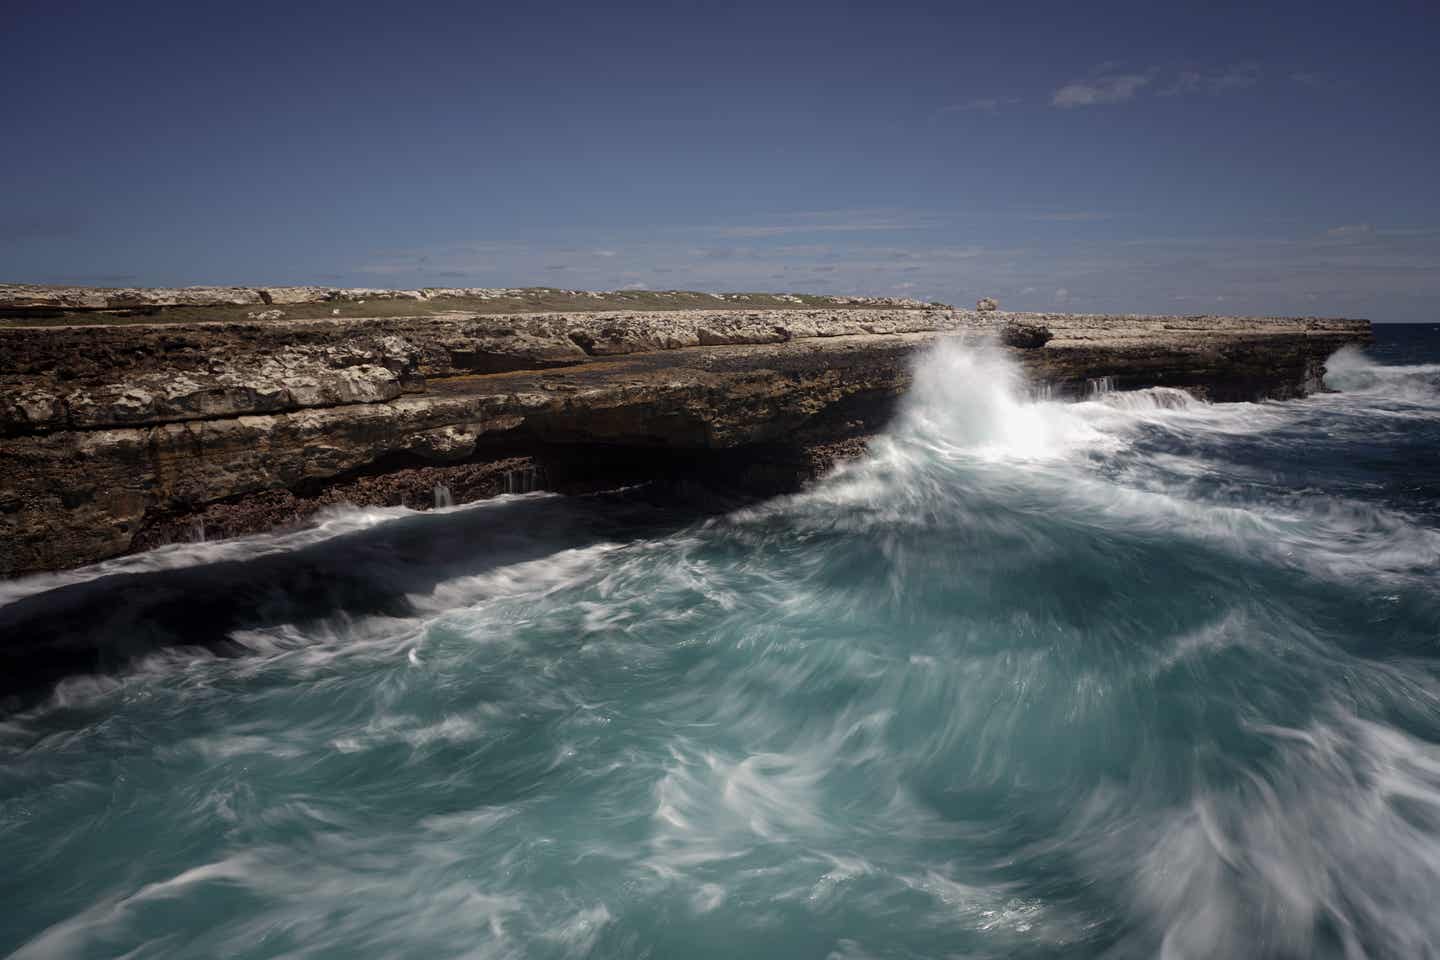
pixel 120 437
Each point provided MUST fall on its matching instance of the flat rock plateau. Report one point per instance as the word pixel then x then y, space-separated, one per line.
pixel 133 418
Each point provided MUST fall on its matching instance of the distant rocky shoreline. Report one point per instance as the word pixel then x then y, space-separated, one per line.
pixel 166 304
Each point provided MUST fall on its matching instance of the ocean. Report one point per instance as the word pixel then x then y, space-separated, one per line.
pixel 1136 676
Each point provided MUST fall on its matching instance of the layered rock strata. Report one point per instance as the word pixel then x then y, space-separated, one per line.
pixel 117 438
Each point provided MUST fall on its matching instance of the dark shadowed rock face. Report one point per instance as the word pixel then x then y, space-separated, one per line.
pixel 1026 336
pixel 118 438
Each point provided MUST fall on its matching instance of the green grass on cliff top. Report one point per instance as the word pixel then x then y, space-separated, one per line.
pixel 529 300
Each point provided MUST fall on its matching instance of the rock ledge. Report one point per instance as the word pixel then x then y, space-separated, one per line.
pixel 118 437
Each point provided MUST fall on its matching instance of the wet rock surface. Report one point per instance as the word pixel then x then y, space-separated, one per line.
pixel 118 438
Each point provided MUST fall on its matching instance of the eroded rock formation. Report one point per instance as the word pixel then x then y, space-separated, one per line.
pixel 117 438
pixel 1026 336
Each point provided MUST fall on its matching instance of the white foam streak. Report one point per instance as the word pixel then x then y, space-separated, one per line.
pixel 970 410
pixel 1339 837
pixel 326 524
pixel 1351 371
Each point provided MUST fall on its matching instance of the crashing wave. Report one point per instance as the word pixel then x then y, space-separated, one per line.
pixel 1350 370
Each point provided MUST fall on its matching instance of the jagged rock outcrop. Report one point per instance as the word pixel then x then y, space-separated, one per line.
pixel 1026 336
pixel 116 438
pixel 987 304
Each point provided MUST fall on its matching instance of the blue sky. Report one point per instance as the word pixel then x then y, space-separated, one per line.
pixel 1141 157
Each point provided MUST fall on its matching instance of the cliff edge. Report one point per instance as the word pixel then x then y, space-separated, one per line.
pixel 129 432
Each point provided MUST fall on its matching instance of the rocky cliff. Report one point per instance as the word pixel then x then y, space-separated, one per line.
pixel 117 437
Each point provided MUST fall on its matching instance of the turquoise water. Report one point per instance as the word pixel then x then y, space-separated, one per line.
pixel 1131 677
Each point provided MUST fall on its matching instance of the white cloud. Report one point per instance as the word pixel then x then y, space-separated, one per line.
pixel 1235 77
pixel 784 229
pixel 605 253
pixel 1105 86
pixel 1062 295
pixel 1080 216
pixel 1351 231
pixel 1114 88
pixel 980 104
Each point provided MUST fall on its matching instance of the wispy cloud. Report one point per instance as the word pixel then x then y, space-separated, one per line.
pixel 1234 77
pixel 759 230
pixel 1351 231
pixel 1100 89
pixel 979 105
pixel 1066 216
pixel 1105 86
pixel 1365 233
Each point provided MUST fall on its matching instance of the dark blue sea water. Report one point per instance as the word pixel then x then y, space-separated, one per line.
pixel 1133 677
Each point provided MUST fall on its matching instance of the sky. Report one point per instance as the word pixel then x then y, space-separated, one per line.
pixel 1140 157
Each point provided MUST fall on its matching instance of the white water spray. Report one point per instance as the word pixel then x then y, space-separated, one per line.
pixel 970 398
pixel 1351 371
pixel 1098 387
pixel 522 480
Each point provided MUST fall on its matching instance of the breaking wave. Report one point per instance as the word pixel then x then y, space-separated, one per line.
pixel 1136 676
pixel 1351 371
